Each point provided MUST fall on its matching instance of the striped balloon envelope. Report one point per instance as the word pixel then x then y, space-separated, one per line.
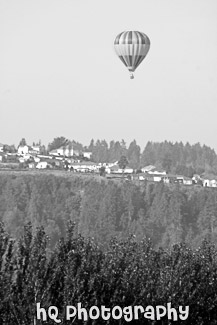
pixel 132 47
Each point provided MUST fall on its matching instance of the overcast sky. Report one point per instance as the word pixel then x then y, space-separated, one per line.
pixel 60 76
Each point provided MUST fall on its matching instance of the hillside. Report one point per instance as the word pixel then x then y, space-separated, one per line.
pixel 104 208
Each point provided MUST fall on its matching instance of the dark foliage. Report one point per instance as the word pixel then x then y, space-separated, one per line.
pixel 128 273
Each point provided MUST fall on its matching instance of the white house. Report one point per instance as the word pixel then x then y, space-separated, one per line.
pixel 157 178
pixel 34 150
pixel 147 168
pixel 187 181
pixel 85 166
pixel 62 151
pixel 115 169
pixel 209 182
pixel 23 150
pixel 31 165
pixel 36 159
pixel 213 183
pixel 1 147
pixel 87 154
pixel 157 172
pixel 128 170
pixel 24 158
pixel 115 163
pixel 42 165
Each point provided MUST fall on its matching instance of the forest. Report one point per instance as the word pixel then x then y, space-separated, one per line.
pixel 102 209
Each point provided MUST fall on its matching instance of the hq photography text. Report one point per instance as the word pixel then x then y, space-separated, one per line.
pixel 129 313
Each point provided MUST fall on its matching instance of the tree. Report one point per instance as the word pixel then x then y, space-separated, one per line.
pixel 57 143
pixel 123 162
pixel 102 171
pixel 10 149
pixel 23 142
pixel 167 162
pixel 133 154
pixel 91 145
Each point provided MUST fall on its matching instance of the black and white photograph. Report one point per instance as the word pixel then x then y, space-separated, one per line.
pixel 108 162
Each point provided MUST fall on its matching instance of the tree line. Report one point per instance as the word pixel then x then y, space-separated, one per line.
pixel 176 158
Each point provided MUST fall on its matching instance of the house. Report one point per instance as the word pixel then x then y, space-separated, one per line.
pixel 21 160
pixel 187 181
pixel 42 165
pixel 36 159
pixel 32 165
pixel 55 152
pixel 141 177
pixel 213 183
pixel 1 147
pixel 155 171
pixel 147 168
pixel 87 154
pixel 128 170
pixel 86 166
pixel 44 157
pixel 179 179
pixel 115 169
pixel 25 157
pixel 209 182
pixel 172 179
pixel 23 150
pixel 156 177
pixel 34 150
pixel 110 166
pixel 112 163
pixel 62 151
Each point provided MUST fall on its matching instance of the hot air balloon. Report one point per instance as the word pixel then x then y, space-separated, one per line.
pixel 132 47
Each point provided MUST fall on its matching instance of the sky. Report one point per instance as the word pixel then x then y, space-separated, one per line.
pixel 60 76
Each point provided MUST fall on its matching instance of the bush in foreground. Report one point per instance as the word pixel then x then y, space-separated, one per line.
pixel 128 273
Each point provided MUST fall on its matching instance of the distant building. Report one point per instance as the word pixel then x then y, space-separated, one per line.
pixel 34 150
pixel 87 154
pixel 187 181
pixel 84 166
pixel 115 169
pixel 172 179
pixel 32 165
pixel 62 151
pixel 157 172
pixel 42 165
pixel 36 159
pixel 148 168
pixel 209 182
pixel 156 177
pixel 23 150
